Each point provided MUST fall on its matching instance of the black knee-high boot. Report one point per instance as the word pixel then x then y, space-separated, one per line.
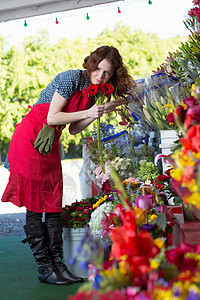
pixel 35 234
pixel 53 223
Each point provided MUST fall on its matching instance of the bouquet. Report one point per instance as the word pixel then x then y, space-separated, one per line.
pixel 77 215
pixel 139 265
pixel 99 92
pixel 186 161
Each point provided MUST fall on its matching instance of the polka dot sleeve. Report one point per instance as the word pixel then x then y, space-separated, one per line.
pixel 67 83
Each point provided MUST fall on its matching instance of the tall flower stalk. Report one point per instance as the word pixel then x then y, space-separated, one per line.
pixel 99 92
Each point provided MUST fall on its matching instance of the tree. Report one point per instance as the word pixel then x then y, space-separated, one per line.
pixel 28 67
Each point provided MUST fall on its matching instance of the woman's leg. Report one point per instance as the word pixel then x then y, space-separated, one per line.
pixel 35 233
pixel 53 223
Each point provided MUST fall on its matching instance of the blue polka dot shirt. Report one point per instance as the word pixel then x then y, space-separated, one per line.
pixel 65 84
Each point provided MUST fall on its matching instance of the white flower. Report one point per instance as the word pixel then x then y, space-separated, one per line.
pixel 96 217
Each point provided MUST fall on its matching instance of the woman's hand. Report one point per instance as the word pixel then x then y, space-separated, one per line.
pixel 96 111
pixel 112 105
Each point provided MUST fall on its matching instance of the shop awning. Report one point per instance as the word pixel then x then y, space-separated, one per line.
pixel 17 9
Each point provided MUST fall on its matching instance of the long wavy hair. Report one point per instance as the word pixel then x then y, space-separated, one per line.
pixel 122 82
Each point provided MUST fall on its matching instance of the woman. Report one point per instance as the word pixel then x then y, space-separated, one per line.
pixel 35 166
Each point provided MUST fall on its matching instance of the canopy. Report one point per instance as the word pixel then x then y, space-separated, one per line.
pixel 17 9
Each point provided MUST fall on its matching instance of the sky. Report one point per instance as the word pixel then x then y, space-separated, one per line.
pixel 163 17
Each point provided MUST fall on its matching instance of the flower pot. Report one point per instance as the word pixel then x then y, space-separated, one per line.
pixel 71 240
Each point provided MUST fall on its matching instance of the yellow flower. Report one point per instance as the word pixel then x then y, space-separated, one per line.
pixel 154 264
pixel 102 199
pixel 177 174
pixel 116 273
pixel 152 217
pixel 159 243
pixel 193 198
pixel 167 105
pixel 195 256
pixel 140 215
pixel 193 90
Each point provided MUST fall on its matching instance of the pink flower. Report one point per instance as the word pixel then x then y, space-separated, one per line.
pixel 102 176
pixel 190 101
pixel 144 202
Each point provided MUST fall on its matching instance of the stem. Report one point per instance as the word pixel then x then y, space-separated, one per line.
pixel 100 146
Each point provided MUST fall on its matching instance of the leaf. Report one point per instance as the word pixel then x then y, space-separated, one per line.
pixel 160 221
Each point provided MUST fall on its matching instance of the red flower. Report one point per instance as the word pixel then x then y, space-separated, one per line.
pixel 190 101
pixel 79 208
pixel 177 256
pixel 84 92
pixel 170 118
pixel 158 186
pixel 180 113
pixel 162 177
pixel 167 173
pixel 138 246
pixel 79 219
pixel 192 142
pixel 193 115
pixel 92 89
pixel 108 88
pixel 123 122
pixel 106 187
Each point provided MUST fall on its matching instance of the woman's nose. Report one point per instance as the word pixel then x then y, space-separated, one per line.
pixel 101 75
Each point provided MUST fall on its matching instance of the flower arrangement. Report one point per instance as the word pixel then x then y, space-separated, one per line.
pixel 99 92
pixel 143 268
pixel 77 215
pixel 97 216
pixel 186 161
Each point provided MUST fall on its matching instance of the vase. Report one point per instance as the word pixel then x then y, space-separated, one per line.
pixel 190 212
pixel 71 240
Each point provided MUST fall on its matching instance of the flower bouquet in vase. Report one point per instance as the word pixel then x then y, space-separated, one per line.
pixel 99 92
pixel 75 218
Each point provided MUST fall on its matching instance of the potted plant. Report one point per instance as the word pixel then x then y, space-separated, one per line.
pixel 74 218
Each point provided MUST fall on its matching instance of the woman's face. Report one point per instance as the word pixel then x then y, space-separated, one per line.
pixel 103 72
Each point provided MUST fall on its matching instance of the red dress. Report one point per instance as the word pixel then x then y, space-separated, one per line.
pixel 36 179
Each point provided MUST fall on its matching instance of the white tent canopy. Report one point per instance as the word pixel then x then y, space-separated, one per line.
pixel 17 9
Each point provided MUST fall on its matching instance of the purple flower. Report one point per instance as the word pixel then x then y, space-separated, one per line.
pixel 97 280
pixel 192 296
pixel 144 202
pixel 148 227
pixel 84 265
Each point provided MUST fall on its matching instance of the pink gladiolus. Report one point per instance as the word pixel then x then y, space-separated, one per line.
pixel 194 110
pixel 144 202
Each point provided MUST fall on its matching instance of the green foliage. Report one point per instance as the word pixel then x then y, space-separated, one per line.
pixel 147 171
pixel 28 67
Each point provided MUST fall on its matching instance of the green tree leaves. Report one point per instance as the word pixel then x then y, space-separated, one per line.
pixel 26 68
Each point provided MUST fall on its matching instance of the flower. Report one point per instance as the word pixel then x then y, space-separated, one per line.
pixel 77 215
pixel 144 202
pixel 99 92
pixel 97 216
pixel 186 161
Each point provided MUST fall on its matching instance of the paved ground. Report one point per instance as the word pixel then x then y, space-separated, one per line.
pixel 12 218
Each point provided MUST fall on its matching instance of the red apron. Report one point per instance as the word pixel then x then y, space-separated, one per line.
pixel 36 179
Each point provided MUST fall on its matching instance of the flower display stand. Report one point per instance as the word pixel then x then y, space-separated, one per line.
pixel 71 240
pixel 188 232
pixel 166 141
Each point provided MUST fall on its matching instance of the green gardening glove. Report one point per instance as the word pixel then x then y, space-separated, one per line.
pixel 45 139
